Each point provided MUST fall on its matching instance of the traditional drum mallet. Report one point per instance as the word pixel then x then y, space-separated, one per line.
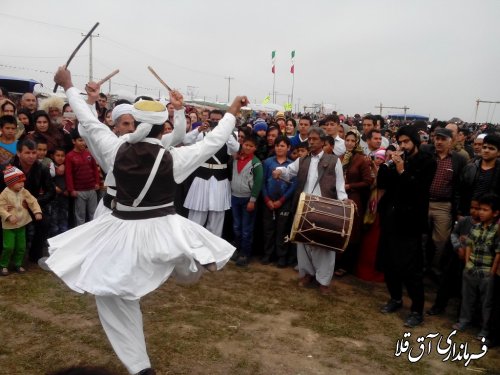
pixel 78 48
pixel 109 76
pixel 159 79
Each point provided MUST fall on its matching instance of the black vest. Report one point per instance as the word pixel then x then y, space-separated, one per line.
pixel 132 167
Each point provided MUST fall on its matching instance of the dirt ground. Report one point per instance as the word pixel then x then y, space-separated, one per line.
pixel 236 321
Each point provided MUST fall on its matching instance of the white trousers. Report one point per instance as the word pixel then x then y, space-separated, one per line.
pixel 122 322
pixel 215 222
pixel 317 262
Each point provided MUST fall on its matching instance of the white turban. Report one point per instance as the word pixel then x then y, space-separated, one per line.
pixel 148 113
pixel 122 109
pixel 481 136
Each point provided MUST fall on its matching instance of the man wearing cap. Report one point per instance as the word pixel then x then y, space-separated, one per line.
pixel 403 219
pixel 209 195
pixel 123 256
pixel 478 146
pixel 443 194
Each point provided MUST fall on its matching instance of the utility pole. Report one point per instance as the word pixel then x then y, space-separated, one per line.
pixel 405 108
pixel 190 91
pixel 229 78
pixel 484 101
pixel 90 55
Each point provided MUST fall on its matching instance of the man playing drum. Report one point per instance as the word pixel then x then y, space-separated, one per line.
pixel 318 174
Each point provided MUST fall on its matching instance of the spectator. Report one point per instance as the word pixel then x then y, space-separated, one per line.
pixel 14 219
pixel 246 184
pixel 291 124
pixel 482 258
pixel 82 179
pixel 305 123
pixel 47 132
pixel 8 142
pixel 59 206
pixel 277 196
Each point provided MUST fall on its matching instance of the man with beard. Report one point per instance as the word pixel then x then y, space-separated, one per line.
pixel 403 217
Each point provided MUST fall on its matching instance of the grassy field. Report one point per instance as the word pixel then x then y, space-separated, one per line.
pixel 237 321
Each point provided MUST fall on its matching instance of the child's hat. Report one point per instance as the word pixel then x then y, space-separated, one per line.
pixel 259 124
pixel 13 175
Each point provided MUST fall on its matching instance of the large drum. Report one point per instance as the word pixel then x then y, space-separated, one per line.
pixel 323 222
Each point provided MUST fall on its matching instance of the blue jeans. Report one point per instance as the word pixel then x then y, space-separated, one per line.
pixel 243 222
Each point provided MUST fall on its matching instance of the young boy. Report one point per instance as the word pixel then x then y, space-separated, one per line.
pixel 482 257
pixel 82 179
pixel 41 153
pixel 302 149
pixel 8 142
pixel 246 184
pixel 59 206
pixel 277 198
pixel 260 131
pixel 14 219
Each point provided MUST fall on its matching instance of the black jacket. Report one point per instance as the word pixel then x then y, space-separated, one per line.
pixel 404 206
pixel 468 180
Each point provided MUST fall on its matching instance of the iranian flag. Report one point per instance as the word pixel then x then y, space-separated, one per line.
pixel 292 68
pixel 273 59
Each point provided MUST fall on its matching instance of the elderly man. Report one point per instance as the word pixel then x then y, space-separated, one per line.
pixel 318 174
pixel 122 257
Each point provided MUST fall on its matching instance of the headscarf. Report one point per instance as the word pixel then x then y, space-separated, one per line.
pixel 357 149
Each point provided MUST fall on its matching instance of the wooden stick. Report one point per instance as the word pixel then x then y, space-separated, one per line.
pixel 159 79
pixel 108 77
pixel 78 48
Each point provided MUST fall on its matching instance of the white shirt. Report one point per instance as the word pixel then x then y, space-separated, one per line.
pixel 104 144
pixel 311 187
pixel 194 136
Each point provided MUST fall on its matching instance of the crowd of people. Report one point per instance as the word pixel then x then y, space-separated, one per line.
pixel 426 195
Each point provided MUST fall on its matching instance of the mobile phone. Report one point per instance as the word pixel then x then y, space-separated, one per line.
pixel 69 115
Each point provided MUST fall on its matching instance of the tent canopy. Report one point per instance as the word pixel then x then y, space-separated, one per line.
pixel 18 85
pixel 409 116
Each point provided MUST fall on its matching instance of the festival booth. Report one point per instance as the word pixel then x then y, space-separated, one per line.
pixel 18 86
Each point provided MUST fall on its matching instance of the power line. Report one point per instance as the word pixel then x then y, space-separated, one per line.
pixel 41 22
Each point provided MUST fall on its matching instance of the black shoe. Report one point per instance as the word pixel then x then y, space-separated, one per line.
pixel 414 319
pixel 147 371
pixel 281 263
pixel 265 260
pixel 235 256
pixel 434 310
pixel 391 306
pixel 242 261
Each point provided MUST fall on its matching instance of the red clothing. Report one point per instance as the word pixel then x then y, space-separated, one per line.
pixel 242 161
pixel 81 171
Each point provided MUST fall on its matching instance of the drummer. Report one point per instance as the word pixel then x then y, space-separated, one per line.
pixel 319 174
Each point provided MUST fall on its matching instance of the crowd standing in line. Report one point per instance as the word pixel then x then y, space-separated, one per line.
pixel 426 195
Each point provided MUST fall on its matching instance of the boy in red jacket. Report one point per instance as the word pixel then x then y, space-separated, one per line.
pixel 82 179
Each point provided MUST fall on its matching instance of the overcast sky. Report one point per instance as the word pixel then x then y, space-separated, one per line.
pixel 436 57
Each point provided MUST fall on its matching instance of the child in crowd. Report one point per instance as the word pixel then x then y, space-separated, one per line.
pixel 59 206
pixel 246 184
pixel 260 131
pixel 302 149
pixel 41 152
pixel 82 179
pixel 8 142
pixel 482 257
pixel 277 198
pixel 329 145
pixel 14 219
